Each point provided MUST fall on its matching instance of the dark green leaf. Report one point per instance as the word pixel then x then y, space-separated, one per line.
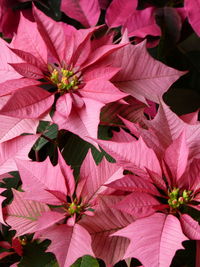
pixel 34 255
pixel 50 131
pixel 86 261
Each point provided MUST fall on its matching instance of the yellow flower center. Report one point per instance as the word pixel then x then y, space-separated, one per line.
pixel 74 208
pixel 65 80
pixel 178 198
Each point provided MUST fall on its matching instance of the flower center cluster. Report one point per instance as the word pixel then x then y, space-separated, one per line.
pixel 65 80
pixel 178 198
pixel 74 208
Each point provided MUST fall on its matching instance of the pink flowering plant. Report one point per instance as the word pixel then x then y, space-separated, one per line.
pixel 100 133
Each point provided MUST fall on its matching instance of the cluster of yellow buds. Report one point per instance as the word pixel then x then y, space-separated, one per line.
pixel 55 76
pixel 176 198
pixel 65 80
pixel 74 208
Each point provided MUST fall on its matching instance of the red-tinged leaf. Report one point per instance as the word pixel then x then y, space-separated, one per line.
pixel 29 58
pixel 12 127
pixel 106 221
pixel 157 180
pixel 191 118
pixel 193 8
pixel 52 34
pixel 192 178
pixel 3 100
pixel 68 174
pixel 104 3
pixel 135 156
pixel 7 56
pixel 105 73
pixel 50 197
pixel 122 136
pixel 17 246
pixel 5 244
pixel 114 114
pixel 30 40
pixel 132 183
pixel 118 12
pixel 18 147
pixel 78 102
pixel 96 177
pixel 48 219
pixel 13 85
pixel 133 127
pixel 5 254
pixel 164 230
pixel 138 204
pixel 64 105
pixel 176 157
pixel 83 122
pixel 81 43
pixel 106 39
pixel 167 127
pixel 28 102
pixel 102 91
pixel 86 12
pixel 142 23
pixel 191 228
pixel 142 76
pixel 75 240
pixel 40 177
pixel 22 215
pixel 101 53
pixel 28 70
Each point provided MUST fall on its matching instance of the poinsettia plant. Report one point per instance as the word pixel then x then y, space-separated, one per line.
pixel 100 133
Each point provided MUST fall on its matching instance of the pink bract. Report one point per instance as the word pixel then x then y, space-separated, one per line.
pixel 9 18
pixel 87 13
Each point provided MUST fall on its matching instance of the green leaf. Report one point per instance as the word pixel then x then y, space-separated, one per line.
pixel 76 149
pixel 50 8
pixel 86 261
pixel 34 255
pixel 42 126
pixel 52 264
pixel 50 131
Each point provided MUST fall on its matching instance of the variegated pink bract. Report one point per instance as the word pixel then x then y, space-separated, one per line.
pixel 87 13
pixel 9 16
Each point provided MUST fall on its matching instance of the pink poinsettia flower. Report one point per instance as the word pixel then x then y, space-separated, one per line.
pixel 163 189
pixel 10 14
pixel 57 208
pixel 65 65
